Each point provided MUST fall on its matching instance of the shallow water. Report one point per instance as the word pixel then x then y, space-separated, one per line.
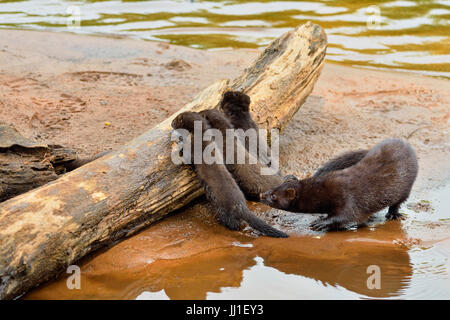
pixel 189 256
pixel 404 35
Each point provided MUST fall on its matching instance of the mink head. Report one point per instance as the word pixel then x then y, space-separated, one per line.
pixel 235 101
pixel 283 196
pixel 186 121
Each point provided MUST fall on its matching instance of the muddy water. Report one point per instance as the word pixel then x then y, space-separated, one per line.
pixel 404 35
pixel 189 256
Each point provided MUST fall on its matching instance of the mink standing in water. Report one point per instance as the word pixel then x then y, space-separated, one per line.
pixel 236 106
pixel 382 178
pixel 247 175
pixel 220 188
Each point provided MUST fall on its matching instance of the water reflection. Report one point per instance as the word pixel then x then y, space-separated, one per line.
pixel 194 258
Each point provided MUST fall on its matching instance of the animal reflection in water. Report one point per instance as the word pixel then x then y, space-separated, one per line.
pixel 187 265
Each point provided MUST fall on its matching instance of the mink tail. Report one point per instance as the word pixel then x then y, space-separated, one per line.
pixel 341 162
pixel 261 226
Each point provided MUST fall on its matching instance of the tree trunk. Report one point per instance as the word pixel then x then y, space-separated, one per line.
pixel 47 229
pixel 26 165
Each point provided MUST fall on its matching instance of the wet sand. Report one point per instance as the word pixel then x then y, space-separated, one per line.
pixel 92 94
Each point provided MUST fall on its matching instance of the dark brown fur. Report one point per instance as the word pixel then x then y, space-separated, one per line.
pixel 248 176
pixel 341 162
pixel 236 106
pixel 221 189
pixel 383 178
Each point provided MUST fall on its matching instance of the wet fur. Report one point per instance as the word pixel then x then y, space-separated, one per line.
pixel 382 178
pixel 236 106
pixel 248 176
pixel 221 190
pixel 341 162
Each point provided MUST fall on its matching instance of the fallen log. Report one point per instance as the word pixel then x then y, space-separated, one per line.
pixel 46 229
pixel 26 165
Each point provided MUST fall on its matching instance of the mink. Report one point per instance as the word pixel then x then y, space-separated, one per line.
pixel 341 162
pixel 236 106
pixel 220 188
pixel 247 175
pixel 382 178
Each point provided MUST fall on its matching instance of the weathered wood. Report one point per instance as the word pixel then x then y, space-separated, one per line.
pixel 45 230
pixel 25 164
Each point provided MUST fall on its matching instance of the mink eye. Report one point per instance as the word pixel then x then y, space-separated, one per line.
pixel 273 197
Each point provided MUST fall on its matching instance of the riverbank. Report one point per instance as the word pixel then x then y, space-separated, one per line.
pixel 93 93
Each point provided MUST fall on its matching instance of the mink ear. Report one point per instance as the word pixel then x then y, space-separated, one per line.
pixel 290 193
pixel 245 99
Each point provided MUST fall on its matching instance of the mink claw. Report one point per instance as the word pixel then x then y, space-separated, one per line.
pixel 319 225
pixel 395 216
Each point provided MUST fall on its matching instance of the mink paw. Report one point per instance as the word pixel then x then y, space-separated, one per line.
pixel 395 216
pixel 331 224
pixel 322 224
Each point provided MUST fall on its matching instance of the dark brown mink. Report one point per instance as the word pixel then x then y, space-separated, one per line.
pixel 383 178
pixel 247 175
pixel 236 106
pixel 342 161
pixel 220 188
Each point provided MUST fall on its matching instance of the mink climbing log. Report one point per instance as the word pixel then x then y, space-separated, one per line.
pixel 46 229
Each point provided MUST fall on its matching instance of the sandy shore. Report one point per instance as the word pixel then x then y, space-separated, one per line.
pixel 92 94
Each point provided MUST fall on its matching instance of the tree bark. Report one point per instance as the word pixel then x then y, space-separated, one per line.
pixel 26 165
pixel 47 229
